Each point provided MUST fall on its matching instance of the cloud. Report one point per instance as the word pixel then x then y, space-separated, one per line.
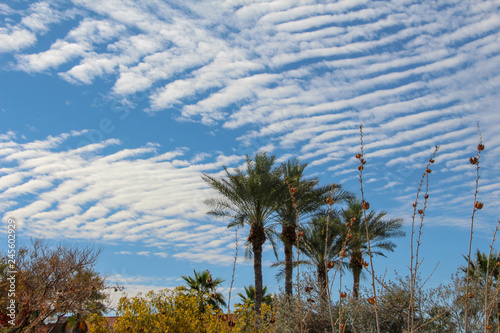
pixel 130 195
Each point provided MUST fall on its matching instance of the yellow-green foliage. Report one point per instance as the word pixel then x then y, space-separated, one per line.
pixel 97 324
pixel 180 311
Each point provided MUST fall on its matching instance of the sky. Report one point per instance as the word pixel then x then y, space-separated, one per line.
pixel 110 111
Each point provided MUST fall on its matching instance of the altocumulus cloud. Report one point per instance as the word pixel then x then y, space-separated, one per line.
pixel 135 195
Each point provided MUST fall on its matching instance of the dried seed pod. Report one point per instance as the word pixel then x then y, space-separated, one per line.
pixel 310 300
pixel 426 196
pixel 420 211
pixel 428 170
pixel 348 224
pixel 414 204
pixel 293 190
pixel 225 317
pixel 353 219
pixel 488 327
pixel 300 234
pixel 372 300
pixel 478 205
pixel 360 168
pixel 365 264
pixel 473 160
pixel 431 160
pixel 365 205
pixel 330 264
pixel 343 294
pixel 272 320
pixel 349 236
pixel 308 289
pixel 342 254
pixel 330 201
pixel 480 147
pixel 358 155
pixel 363 162
pixel 470 295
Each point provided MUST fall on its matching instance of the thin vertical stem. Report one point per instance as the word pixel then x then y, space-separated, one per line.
pixel 234 270
pixel 477 205
pixel 292 191
pixel 487 279
pixel 414 257
pixel 330 203
pixel 366 206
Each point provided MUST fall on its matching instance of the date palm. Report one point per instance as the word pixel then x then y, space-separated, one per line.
pixel 249 198
pixel 380 231
pixel 309 197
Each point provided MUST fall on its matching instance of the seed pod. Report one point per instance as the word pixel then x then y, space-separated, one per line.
pixel 360 168
pixel 420 211
pixel 330 201
pixel 353 219
pixel 349 236
pixel 365 264
pixel 310 300
pixel 414 205
pixel 372 300
pixel 473 160
pixel 293 190
pixel 358 155
pixel 488 327
pixel 272 320
pixel 308 289
pixel 330 264
pixel 428 170
pixel 363 162
pixel 431 160
pixel 300 234
pixel 470 295
pixel 343 294
pixel 365 205
pixel 478 205
pixel 342 254
pixel 426 196
pixel 480 147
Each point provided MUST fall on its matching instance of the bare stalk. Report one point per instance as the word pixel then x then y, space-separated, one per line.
pixel 330 204
pixel 414 257
pixel 477 205
pixel 488 279
pixel 234 270
pixel 292 191
pixel 365 205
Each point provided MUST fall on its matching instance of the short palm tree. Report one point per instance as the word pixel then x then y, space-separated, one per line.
pixel 380 231
pixel 249 198
pixel 479 266
pixel 309 198
pixel 203 284
pixel 249 297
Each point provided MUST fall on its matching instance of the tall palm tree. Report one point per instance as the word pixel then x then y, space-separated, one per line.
pixel 308 198
pixel 249 198
pixel 379 230
pixel 204 284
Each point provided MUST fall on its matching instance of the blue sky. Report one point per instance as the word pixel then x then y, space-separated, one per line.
pixel 111 110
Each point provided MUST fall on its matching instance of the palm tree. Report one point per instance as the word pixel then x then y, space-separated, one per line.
pixel 249 198
pixel 308 198
pixel 249 296
pixel 313 246
pixel 204 284
pixel 379 230
pixel 479 266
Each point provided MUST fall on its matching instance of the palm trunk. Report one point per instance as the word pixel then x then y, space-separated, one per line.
pixel 257 267
pixel 356 267
pixel 322 278
pixel 288 234
pixel 257 237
